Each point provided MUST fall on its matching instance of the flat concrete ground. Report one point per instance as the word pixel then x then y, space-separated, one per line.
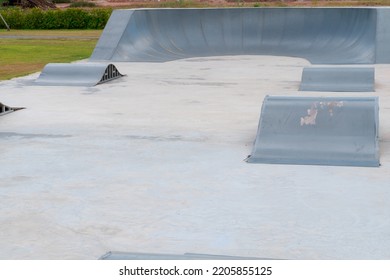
pixel 154 163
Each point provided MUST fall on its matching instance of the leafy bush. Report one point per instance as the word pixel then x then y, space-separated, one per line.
pixel 56 19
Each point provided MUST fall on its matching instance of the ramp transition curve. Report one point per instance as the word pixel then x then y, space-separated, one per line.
pixel 320 35
pixel 318 130
pixel 186 256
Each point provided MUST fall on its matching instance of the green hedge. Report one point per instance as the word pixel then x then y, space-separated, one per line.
pixel 56 19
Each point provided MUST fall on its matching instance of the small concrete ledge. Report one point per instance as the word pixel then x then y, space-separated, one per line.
pixel 318 131
pixel 338 79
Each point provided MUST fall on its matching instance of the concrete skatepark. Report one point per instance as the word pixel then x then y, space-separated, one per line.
pixel 154 161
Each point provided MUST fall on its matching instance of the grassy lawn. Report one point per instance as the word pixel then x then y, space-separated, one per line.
pixel 22 56
pixel 42 33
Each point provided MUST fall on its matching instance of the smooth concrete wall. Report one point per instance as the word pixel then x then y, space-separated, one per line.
pixel 112 34
pixel 320 35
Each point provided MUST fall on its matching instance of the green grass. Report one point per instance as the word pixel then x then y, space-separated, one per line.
pixel 19 57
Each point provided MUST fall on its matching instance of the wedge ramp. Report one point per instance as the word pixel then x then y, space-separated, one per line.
pixel 319 131
pixel 338 79
pixel 186 256
pixel 320 35
pixel 77 74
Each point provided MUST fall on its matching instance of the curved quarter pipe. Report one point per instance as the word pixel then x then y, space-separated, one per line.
pixel 320 35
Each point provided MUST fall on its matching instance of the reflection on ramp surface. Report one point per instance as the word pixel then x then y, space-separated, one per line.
pixel 318 130
pixel 321 35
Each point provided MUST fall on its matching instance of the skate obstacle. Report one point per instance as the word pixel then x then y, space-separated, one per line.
pixel 318 131
pixel 77 74
pixel 292 130
pixel 320 35
pixel 338 79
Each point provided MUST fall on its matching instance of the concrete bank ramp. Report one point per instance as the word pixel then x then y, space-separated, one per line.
pixel 315 130
pixel 338 79
pixel 77 74
pixel 320 35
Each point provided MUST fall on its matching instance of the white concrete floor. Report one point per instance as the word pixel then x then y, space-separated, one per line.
pixel 154 163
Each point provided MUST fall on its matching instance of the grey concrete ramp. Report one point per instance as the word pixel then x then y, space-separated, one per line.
pixel 320 131
pixel 383 35
pixel 339 79
pixel 320 35
pixel 77 74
